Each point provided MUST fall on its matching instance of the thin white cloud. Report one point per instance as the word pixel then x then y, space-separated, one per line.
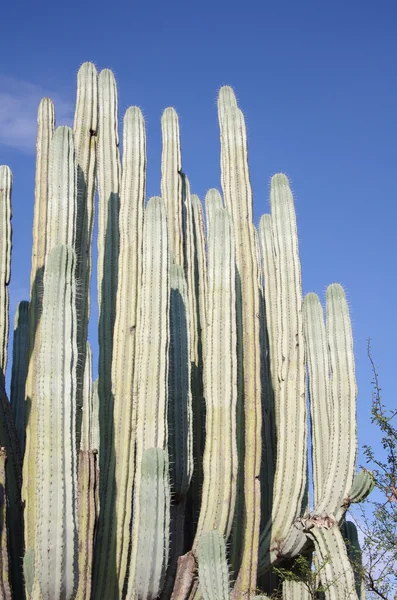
pixel 19 101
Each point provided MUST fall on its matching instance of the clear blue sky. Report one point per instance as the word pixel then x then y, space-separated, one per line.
pixel 317 82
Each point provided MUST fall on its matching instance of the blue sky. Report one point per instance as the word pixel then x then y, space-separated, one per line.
pixel 317 82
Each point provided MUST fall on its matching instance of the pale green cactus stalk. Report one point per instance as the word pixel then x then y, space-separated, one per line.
pixel 5 263
pixel 319 386
pixel 213 202
pixel 62 205
pixel 109 172
pixel 212 566
pixel 5 579
pixel 151 381
pixel 289 382
pixel 85 137
pixel 19 371
pixel 238 200
pixel 133 190
pixel 220 461
pixel 153 528
pixel 45 132
pixel 337 577
pixel 338 360
pixel 56 533
pixel 88 480
pixel 171 181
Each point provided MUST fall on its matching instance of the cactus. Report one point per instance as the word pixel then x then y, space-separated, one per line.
pixel 190 449
pixel 56 534
pixel 238 200
pixel 212 566
pixel 5 582
pixel 5 263
pixel 45 132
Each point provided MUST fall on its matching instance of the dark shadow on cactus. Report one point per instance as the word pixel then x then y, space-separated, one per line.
pixel 178 428
pixel 104 558
pixel 84 227
pixel 193 501
pixel 19 374
pixel 9 440
pixel 238 527
pixel 267 582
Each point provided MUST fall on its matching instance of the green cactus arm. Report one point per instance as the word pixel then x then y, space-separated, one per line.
pixel 362 486
pixel 5 580
pixel 337 577
pixel 238 200
pixel 151 381
pixel 5 262
pixel 56 527
pixel 95 433
pixel 19 371
pixel 146 580
pixel 85 136
pixel 319 386
pixel 88 477
pixel 354 552
pixel 289 382
pixel 171 181
pixel 212 566
pixel 45 131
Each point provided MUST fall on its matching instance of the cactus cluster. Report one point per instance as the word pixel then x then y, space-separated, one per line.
pixel 182 471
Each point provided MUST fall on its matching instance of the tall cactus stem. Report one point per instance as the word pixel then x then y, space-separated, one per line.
pixel 133 190
pixel 45 131
pixel 238 200
pixel 151 381
pixel 85 136
pixel 109 170
pixel 5 263
pixel 56 534
pixel 289 382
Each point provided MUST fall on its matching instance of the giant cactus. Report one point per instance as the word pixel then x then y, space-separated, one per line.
pixel 189 452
